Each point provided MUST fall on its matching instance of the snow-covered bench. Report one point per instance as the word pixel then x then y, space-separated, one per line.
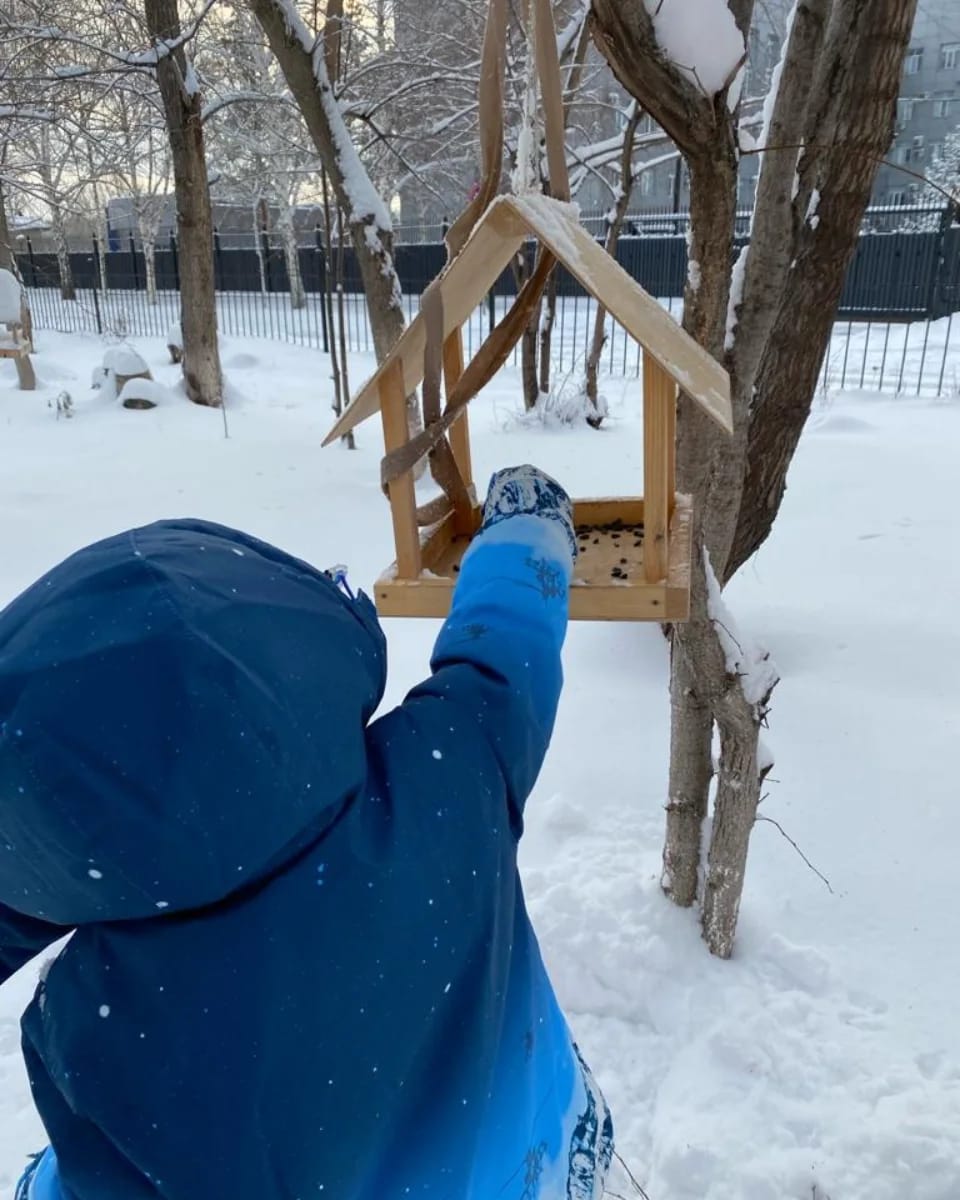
pixel 14 342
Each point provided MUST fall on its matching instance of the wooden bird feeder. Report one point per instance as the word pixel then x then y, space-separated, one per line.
pixel 634 560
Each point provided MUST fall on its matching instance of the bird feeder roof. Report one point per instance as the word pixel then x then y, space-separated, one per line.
pixel 498 235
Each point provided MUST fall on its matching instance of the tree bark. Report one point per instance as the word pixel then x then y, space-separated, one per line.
pixel 848 132
pixel 691 770
pixel 183 112
pixel 300 58
pixel 735 809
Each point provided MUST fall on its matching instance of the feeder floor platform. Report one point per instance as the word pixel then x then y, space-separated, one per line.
pixel 609 582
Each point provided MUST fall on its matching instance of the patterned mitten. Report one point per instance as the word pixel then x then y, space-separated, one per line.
pixel 527 491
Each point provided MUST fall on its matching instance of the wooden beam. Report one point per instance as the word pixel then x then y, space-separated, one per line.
pixel 460 430
pixel 403 499
pixel 558 227
pixel 463 284
pixel 659 396
pixel 672 455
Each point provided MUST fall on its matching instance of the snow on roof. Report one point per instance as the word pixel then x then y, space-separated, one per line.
pixel 9 299
pixel 20 221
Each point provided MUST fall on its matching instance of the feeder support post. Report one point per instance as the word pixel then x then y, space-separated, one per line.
pixel 460 429
pixel 403 499
pixel 659 450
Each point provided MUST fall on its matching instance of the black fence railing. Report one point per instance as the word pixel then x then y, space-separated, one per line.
pixel 896 329
pixel 905 275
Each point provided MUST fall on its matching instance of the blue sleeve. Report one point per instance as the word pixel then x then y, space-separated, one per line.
pixel 21 938
pixel 496 663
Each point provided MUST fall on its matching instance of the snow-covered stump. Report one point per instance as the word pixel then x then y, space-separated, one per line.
pixel 123 363
pixel 139 393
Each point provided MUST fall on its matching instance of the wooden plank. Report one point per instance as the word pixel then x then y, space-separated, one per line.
pixel 671 436
pixel 460 430
pixel 558 227
pixel 595 594
pixel 628 509
pixel 403 500
pixel 435 542
pixel 464 284
pixel 681 548
pixel 413 598
pixel 658 396
pixel 433 597
pixel 619 602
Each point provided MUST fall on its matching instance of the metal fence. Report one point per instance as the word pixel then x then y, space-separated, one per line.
pixel 898 328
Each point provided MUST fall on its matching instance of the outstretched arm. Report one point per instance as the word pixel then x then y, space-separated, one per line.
pixel 496 665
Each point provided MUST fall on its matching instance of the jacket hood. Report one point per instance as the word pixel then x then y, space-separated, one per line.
pixel 182 709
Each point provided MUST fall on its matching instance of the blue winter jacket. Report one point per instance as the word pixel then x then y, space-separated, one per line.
pixel 302 967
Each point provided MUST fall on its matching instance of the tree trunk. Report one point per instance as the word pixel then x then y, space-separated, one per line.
pixel 342 324
pixel 546 332
pixel 691 770
pixel 291 254
pixel 260 243
pixel 837 97
pixel 68 289
pixel 183 111
pixel 848 131
pixel 150 264
pixel 599 338
pixel 735 810
pixel 369 223
pixel 333 279
pixel 529 375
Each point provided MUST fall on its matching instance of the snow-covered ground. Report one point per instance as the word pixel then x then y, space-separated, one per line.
pixel 824 1060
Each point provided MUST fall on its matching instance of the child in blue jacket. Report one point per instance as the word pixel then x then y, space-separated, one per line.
pixel 301 966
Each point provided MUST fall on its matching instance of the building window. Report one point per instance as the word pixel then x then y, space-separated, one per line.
pixel 905 110
pixel 646 183
pixel 950 56
pixel 941 108
pixel 913 61
pixel 897 196
pixel 936 152
pixel 901 155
